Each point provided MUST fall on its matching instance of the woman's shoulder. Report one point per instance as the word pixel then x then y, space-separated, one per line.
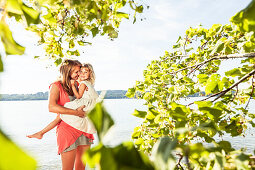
pixel 56 83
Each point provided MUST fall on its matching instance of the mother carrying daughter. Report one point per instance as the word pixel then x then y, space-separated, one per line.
pixel 74 130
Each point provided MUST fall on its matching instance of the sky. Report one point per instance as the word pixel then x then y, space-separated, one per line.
pixel 119 63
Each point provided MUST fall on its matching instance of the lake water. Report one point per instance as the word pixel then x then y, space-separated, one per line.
pixel 19 118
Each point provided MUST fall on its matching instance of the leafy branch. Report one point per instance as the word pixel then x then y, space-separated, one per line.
pixel 223 92
pixel 224 57
pixel 252 90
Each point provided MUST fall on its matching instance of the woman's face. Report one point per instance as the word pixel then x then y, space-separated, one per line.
pixel 75 72
pixel 84 74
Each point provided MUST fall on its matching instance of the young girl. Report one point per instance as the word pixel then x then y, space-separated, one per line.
pixel 86 95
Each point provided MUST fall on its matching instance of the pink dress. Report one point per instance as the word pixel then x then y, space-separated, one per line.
pixel 66 134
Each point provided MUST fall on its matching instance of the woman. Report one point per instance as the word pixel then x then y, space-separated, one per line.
pixel 72 143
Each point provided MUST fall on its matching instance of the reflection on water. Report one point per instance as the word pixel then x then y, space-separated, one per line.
pixel 19 118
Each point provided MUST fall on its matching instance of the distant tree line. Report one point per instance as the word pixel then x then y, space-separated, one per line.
pixel 110 94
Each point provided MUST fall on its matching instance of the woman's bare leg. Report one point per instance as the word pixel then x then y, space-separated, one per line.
pixel 68 159
pixel 79 165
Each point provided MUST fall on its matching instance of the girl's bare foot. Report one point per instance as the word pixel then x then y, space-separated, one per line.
pixel 37 135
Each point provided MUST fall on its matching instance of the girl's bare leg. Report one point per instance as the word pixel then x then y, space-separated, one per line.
pixel 68 159
pixel 50 126
pixel 37 135
pixel 79 165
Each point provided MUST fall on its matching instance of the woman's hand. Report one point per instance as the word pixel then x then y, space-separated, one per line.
pixel 80 111
pixel 72 82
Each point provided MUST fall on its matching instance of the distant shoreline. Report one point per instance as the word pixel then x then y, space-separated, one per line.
pixel 110 94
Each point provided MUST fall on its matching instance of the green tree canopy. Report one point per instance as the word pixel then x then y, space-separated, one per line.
pixel 193 66
pixel 63 26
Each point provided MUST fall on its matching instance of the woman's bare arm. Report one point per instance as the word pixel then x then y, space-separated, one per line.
pixel 56 108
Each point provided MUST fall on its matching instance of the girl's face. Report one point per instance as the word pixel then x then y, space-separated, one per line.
pixel 75 72
pixel 84 74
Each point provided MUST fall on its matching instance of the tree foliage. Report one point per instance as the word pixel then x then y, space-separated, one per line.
pixel 171 131
pixel 64 26
pixel 123 156
pixel 194 65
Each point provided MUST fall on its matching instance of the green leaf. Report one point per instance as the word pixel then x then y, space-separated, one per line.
pixel 49 18
pixel 245 19
pixel 202 78
pixel 147 96
pixel 187 79
pixel 203 103
pixel 11 46
pixel 136 133
pixel 101 119
pixel 58 61
pixel 81 43
pixel 158 119
pixel 14 6
pixel 234 72
pixel 94 31
pixel 140 114
pixel 226 145
pixel 151 114
pixel 130 93
pixel 139 141
pixel 224 83
pixel 124 156
pixel 12 157
pixel 139 9
pixel 218 48
pixel 32 16
pixel 113 34
pixel 162 153
pixel 1 64
pixel 101 156
pixel 242 161
pixel 219 161
pixel 214 29
pixel 212 84
pixel 129 158
pixel 122 15
pixel 71 44
pixel 212 113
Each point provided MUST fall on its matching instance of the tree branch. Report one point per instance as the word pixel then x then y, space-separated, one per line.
pixel 235 94
pixel 223 92
pixel 184 49
pixel 224 57
pixel 179 161
pixel 231 87
pixel 174 57
pixel 206 98
pixel 252 90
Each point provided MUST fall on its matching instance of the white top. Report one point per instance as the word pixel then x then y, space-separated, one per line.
pixel 89 99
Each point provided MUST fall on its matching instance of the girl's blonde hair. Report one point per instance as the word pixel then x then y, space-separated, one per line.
pixel 92 76
pixel 66 69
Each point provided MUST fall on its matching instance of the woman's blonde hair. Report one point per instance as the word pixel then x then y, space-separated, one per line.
pixel 66 69
pixel 92 76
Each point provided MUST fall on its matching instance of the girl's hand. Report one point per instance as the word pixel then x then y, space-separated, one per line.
pixel 72 82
